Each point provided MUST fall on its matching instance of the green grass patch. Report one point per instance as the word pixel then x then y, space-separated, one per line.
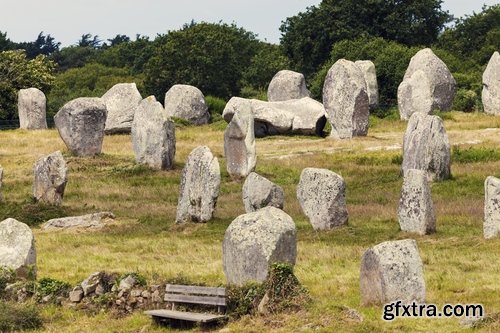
pixel 474 155
pixel 31 213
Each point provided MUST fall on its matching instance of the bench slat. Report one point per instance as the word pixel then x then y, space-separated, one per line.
pixel 198 290
pixel 209 300
pixel 181 315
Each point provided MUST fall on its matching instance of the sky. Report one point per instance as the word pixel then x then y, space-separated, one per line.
pixel 68 20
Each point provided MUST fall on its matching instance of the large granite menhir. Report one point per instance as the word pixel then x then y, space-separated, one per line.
pixel 188 103
pixel 287 85
pixel 153 135
pixel 346 101
pixel 370 74
pixel 491 86
pixel 427 85
pixel 17 248
pixel 81 123
pixel 303 116
pixel 254 241
pixel 50 178
pixel 121 102
pixel 259 192
pixel 491 207
pixel 32 105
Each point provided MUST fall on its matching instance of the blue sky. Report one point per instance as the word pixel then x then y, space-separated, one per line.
pixel 68 20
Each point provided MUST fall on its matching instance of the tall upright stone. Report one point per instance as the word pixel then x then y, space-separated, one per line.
pixel 32 105
pixel 121 102
pixel 188 103
pixel 321 195
pixel 426 147
pixel 50 178
pixel 239 144
pixel 491 227
pixel 17 248
pixel 491 86
pixel 416 211
pixel 392 271
pixel 81 123
pixel 427 85
pixel 153 135
pixel 287 85
pixel 199 189
pixel 370 74
pixel 254 241
pixel 259 192
pixel 346 101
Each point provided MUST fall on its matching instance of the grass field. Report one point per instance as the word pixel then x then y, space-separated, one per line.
pixel 459 265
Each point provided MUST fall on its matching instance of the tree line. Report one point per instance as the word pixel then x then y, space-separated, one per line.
pixel 225 60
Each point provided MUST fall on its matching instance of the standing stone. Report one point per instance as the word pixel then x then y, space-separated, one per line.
pixel 392 271
pixel 17 248
pixel 287 85
pixel 121 102
pixel 199 189
pixel 239 144
pixel 254 241
pixel 51 176
pixel 346 100
pixel 427 85
pixel 259 192
pixel 368 69
pixel 80 123
pixel 426 147
pixel 416 211
pixel 188 103
pixel 31 105
pixel 491 86
pixel 153 135
pixel 492 207
pixel 321 195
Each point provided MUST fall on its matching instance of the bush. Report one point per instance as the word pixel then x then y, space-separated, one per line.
pixel 17 317
pixel 49 286
pixel 215 107
pixel 466 100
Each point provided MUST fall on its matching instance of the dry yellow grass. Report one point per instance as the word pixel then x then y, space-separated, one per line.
pixel 460 267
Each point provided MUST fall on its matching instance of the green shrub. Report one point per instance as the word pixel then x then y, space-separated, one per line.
pixel 216 107
pixel 48 286
pixel 16 317
pixel 466 100
pixel 250 92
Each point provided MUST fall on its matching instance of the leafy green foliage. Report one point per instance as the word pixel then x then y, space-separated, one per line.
pixel 308 37
pixel 48 286
pixel 243 300
pixel 16 317
pixel 124 53
pixel 474 155
pixel 215 107
pixel 5 43
pixel 73 57
pixel 17 72
pixel 209 56
pixel 92 80
pixel 6 276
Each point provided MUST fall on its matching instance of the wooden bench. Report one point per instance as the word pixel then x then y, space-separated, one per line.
pixel 209 296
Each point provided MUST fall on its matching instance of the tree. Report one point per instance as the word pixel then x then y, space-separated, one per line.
pixel 307 38
pixel 476 36
pixel 18 72
pixel 45 45
pixel 73 56
pixel 132 54
pixel 118 39
pixel 5 43
pixel 88 40
pixel 209 56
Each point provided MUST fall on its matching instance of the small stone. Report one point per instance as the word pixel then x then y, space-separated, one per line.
pixel 262 308
pixel 76 295
pixel 146 294
pixel 90 284
pixel 392 271
pixel 258 192
pixel 99 290
pixel 118 302
pixel 127 283
pixel 136 293
pixel 50 178
pixel 46 299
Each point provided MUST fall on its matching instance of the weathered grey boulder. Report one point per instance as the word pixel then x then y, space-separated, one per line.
pixel 121 102
pixel 427 85
pixel 17 248
pixel 392 271
pixel 491 207
pixel 153 135
pixel 321 195
pixel 303 116
pixel 426 147
pixel 256 240
pixel 368 69
pixel 81 123
pixel 50 178
pixel 199 189
pixel 287 85
pixel 32 105
pixel 188 103
pixel 491 86
pixel 345 99
pixel 239 144
pixel 92 283
pixel 89 221
pixel 259 192
pixel 416 211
